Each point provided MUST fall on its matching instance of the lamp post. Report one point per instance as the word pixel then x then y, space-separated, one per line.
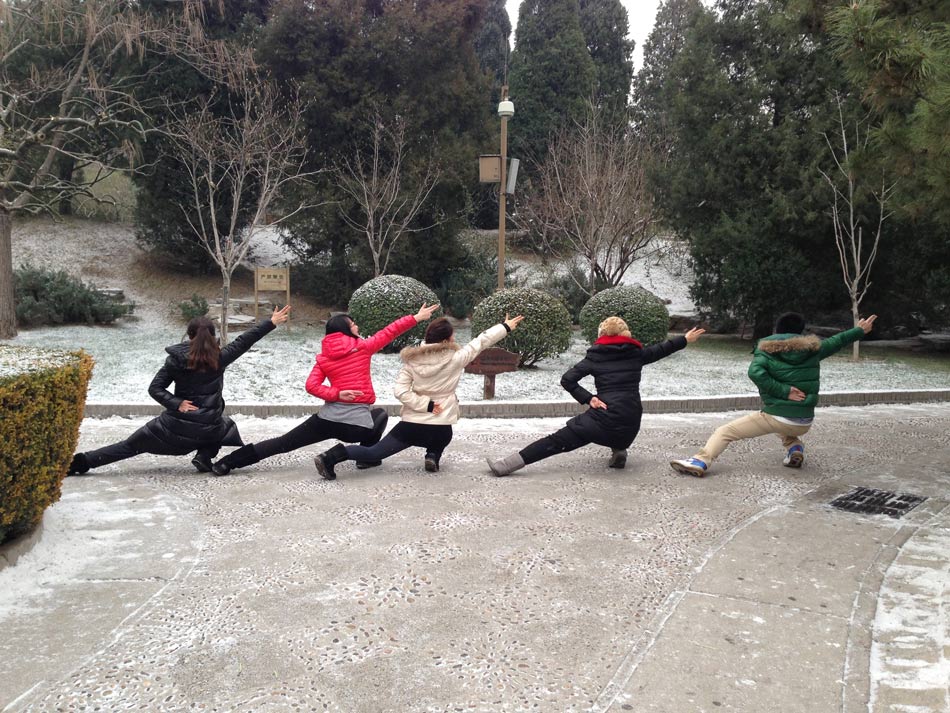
pixel 506 109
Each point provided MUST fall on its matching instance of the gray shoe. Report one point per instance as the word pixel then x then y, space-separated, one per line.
pixel 618 458
pixel 505 466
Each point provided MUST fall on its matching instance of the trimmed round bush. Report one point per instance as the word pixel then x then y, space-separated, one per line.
pixel 385 299
pixel 644 313
pixel 42 396
pixel 545 332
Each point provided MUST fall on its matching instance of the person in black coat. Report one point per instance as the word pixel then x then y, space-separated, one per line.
pixel 194 418
pixel 613 419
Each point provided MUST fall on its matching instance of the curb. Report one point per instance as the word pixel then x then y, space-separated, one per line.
pixel 11 551
pixel 544 409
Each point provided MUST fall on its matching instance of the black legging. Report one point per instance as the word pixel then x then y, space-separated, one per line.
pixel 131 447
pixel 434 438
pixel 313 430
pixel 562 441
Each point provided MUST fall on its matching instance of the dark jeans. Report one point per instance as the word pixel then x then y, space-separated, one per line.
pixel 434 438
pixel 313 430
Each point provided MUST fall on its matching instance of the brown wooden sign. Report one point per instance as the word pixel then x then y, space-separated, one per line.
pixel 490 363
pixel 494 361
pixel 270 279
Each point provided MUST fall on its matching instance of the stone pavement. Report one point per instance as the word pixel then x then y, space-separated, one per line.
pixel 567 587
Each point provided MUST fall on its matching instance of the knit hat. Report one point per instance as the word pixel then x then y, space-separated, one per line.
pixel 790 323
pixel 612 327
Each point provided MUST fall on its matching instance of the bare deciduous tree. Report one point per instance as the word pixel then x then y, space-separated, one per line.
pixel 246 155
pixel 68 113
pixel 856 251
pixel 591 203
pixel 386 200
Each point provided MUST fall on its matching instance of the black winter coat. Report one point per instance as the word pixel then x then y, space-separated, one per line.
pixel 615 363
pixel 178 433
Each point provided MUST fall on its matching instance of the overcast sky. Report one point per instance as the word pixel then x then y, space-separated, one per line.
pixel 640 13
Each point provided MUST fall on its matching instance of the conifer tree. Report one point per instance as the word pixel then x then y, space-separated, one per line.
pixel 605 25
pixel 552 74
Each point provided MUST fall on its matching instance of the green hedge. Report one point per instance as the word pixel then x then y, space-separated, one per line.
pixel 385 299
pixel 545 332
pixel 42 396
pixel 644 313
pixel 55 297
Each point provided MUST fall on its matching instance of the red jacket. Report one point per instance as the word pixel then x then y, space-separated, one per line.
pixel 344 360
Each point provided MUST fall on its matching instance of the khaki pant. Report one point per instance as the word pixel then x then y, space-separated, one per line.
pixel 751 426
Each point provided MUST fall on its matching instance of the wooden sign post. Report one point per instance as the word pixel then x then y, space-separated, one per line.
pixel 490 363
pixel 271 279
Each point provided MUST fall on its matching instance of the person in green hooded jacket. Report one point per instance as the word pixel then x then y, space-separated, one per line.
pixel 786 368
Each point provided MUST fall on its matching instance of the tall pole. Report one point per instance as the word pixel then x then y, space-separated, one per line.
pixel 501 194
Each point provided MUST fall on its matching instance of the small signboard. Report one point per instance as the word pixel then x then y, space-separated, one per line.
pixel 490 363
pixel 270 279
pixel 489 168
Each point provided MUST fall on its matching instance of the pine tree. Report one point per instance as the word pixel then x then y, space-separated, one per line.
pixel 605 27
pixel 552 74
pixel 493 47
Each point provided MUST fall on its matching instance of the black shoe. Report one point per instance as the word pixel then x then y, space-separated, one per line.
pixel 432 463
pixel 202 463
pixel 618 459
pixel 219 468
pixel 79 465
pixel 363 465
pixel 326 461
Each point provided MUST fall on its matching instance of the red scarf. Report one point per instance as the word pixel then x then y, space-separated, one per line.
pixel 617 339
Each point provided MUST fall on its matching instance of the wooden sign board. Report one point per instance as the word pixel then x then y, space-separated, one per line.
pixel 270 279
pixel 490 363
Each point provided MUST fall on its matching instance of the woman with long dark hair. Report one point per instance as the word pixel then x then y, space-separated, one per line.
pixel 347 415
pixel 426 387
pixel 194 418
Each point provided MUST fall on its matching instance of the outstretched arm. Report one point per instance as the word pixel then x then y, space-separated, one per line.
pixel 834 344
pixel 664 349
pixel 402 325
pixel 240 345
pixel 489 337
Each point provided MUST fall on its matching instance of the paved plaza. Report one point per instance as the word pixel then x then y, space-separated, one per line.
pixel 566 587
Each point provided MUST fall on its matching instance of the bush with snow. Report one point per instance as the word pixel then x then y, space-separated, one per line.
pixel 385 299
pixel 545 332
pixel 644 313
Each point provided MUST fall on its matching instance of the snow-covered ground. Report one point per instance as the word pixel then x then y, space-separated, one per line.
pixel 275 370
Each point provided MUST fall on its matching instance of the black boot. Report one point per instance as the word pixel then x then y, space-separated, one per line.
pixel 202 462
pixel 79 465
pixel 618 458
pixel 380 419
pixel 242 457
pixel 326 461
pixel 432 462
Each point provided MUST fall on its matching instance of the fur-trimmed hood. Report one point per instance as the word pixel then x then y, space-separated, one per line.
pixel 785 343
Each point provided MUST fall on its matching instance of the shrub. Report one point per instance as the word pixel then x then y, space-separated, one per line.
pixel 385 299
pixel 546 330
pixel 56 297
pixel 42 396
pixel 644 313
pixel 197 306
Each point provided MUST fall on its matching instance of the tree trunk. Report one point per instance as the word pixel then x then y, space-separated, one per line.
pixel 856 346
pixel 8 328
pixel 225 304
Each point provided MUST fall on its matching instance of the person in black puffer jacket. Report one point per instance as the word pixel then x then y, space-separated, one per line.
pixel 613 419
pixel 194 418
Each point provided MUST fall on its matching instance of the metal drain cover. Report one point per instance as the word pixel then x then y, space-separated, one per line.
pixel 877 502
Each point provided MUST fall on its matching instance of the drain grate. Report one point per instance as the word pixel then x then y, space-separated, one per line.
pixel 877 502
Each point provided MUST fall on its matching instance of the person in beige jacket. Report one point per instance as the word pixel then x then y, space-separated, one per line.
pixel 426 388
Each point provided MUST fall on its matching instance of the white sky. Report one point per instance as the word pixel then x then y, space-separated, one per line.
pixel 640 14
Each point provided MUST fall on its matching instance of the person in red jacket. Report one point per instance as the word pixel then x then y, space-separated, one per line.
pixel 344 361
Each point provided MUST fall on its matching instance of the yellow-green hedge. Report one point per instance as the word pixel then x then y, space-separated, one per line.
pixel 42 396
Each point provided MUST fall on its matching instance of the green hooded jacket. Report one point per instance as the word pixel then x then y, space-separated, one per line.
pixel 782 361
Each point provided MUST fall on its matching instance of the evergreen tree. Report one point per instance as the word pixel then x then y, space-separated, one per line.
pixel 605 27
pixel 748 99
pixel 552 74
pixel 402 58
pixel 492 45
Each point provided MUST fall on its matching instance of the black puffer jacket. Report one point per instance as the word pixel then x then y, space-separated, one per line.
pixel 615 363
pixel 177 433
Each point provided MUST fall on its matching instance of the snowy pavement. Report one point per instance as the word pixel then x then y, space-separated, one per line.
pixel 568 587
